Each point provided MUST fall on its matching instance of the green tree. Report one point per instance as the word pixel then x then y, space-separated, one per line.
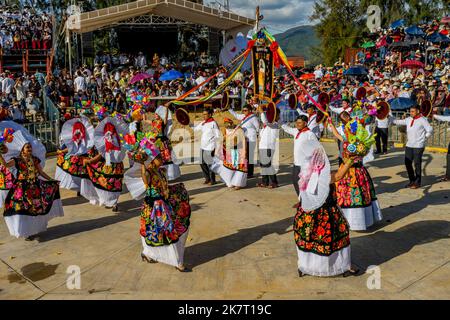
pixel 339 26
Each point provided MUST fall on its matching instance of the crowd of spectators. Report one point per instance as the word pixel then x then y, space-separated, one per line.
pixel 24 29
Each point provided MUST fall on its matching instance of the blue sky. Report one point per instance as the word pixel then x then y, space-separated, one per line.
pixel 279 15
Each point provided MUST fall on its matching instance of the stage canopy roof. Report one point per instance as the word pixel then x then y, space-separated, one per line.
pixel 177 9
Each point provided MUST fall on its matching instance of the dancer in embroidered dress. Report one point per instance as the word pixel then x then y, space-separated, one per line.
pixel 160 126
pixel 355 192
pixel 106 169
pixel 165 216
pixel 232 162
pixel 77 139
pixel 321 232
pixel 31 202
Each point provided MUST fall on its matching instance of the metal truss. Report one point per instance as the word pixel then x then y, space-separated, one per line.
pixel 152 20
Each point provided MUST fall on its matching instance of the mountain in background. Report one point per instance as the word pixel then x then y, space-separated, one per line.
pixel 298 41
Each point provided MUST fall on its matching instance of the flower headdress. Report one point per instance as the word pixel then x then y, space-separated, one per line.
pixel 7 136
pixel 359 140
pixel 140 147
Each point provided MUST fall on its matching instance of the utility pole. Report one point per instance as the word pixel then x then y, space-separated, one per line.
pixel 257 18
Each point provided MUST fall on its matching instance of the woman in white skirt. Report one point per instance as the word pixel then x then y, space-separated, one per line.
pixel 77 139
pixel 106 169
pixel 321 231
pixel 232 165
pixel 165 215
pixel 356 195
pixel 31 202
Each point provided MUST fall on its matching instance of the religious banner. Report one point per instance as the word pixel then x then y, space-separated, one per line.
pixel 263 70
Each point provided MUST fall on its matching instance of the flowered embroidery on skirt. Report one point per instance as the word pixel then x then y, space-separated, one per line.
pixel 164 221
pixel 322 231
pixel 31 197
pixel 356 189
pixel 72 164
pixel 6 178
pixel 106 177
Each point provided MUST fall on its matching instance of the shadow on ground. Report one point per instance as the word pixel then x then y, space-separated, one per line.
pixel 378 248
pixel 204 252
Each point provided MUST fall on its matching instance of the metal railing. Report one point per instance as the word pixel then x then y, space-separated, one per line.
pixel 397 134
pixel 47 132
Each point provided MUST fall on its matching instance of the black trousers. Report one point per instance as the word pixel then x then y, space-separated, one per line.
pixel 414 155
pixel 295 178
pixel 447 174
pixel 250 156
pixel 339 148
pixel 381 139
pixel 267 170
pixel 207 160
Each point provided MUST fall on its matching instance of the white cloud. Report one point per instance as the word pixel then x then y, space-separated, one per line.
pixel 279 15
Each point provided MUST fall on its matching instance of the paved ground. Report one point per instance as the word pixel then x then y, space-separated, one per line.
pixel 240 245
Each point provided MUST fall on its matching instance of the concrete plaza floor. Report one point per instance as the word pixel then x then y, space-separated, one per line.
pixel 240 245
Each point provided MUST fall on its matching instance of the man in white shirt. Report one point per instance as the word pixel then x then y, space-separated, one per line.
pixel 267 147
pixel 345 106
pixel 382 133
pixel 250 125
pixel 312 119
pixel 141 61
pixel 210 134
pixel 417 131
pixel 302 135
pixel 7 86
pixel 80 82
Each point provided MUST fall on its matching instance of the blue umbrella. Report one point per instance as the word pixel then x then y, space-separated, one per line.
pixel 171 75
pixel 397 24
pixel 415 31
pixel 401 103
pixel 356 71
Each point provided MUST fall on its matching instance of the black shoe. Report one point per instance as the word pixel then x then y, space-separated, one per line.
pixel 409 185
pixel 377 152
pixel 300 274
pixel 183 269
pixel 147 259
pixel 31 238
pixel 415 186
pixel 78 194
pixel 351 272
pixel 115 208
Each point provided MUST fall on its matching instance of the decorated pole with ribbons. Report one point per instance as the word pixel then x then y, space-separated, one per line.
pixel 280 58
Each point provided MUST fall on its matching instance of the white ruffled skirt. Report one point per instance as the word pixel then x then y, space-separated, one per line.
pixel 67 181
pixel 360 219
pixel 20 225
pixel 133 180
pixel 98 196
pixel 172 254
pixel 232 178
pixel 324 266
